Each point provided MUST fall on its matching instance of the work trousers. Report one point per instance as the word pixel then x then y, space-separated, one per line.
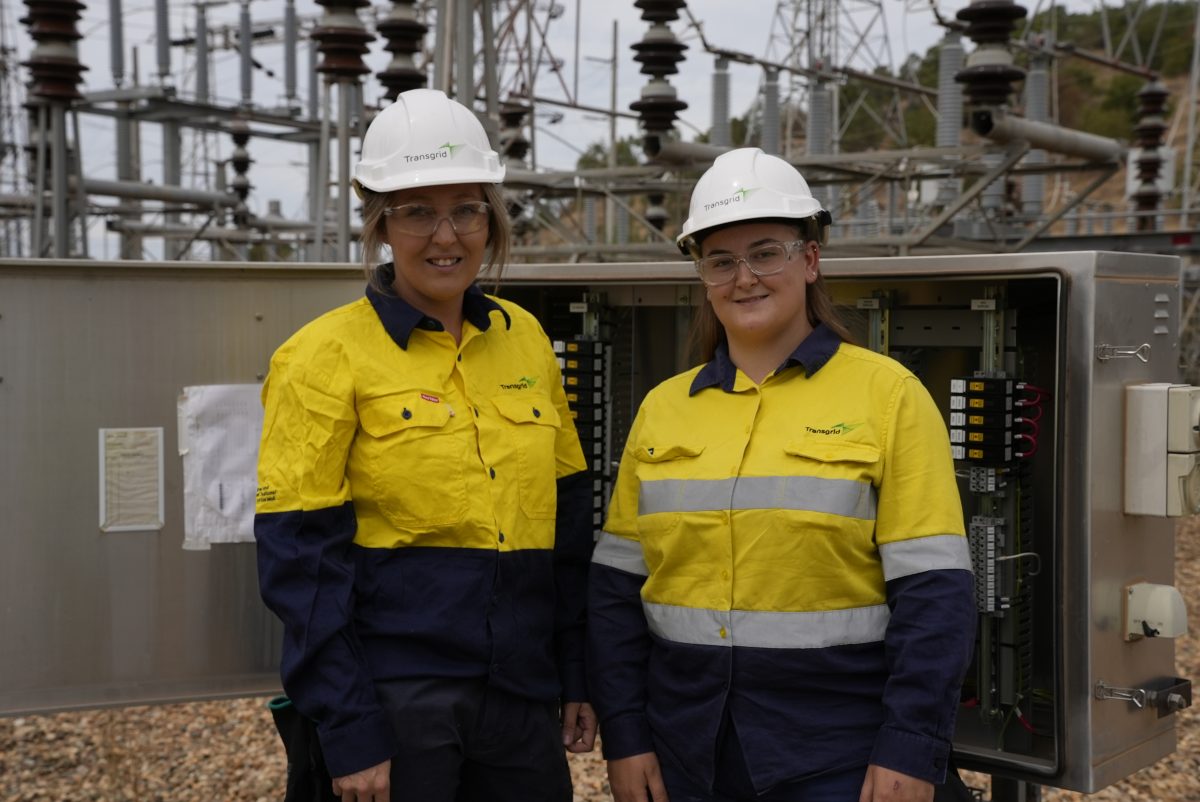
pixel 463 741
pixel 732 779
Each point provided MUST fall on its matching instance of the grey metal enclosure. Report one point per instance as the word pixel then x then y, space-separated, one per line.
pixel 101 604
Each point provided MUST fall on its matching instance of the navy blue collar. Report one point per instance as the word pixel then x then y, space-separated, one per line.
pixel 399 317
pixel 812 353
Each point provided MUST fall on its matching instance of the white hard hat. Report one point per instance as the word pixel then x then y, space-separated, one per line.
pixel 747 184
pixel 426 139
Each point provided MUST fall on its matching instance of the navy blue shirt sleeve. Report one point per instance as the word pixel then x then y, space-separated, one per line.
pixel 573 542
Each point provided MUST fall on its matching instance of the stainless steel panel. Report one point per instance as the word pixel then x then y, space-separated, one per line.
pixel 91 618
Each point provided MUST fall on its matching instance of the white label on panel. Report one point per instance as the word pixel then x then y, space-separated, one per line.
pixel 131 480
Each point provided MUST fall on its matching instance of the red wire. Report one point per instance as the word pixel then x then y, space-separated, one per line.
pixel 1031 422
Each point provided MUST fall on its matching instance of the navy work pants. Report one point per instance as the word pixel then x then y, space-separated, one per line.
pixel 462 741
pixel 732 781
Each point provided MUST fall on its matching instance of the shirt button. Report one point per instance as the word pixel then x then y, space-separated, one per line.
pixel 724 575
pixel 460 357
pixel 537 413
pixel 501 537
pixel 492 472
pixel 406 414
pixel 476 411
pixel 723 632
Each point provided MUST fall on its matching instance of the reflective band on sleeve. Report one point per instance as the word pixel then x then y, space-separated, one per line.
pixel 847 497
pixel 768 630
pixel 620 553
pixel 934 553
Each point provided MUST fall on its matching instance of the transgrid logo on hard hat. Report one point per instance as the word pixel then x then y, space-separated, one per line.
pixel 736 197
pixel 446 151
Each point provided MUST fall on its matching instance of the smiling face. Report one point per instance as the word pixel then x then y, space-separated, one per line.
pixel 433 272
pixel 763 312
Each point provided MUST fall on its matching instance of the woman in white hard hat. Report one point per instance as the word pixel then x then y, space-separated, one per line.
pixel 781 602
pixel 423 518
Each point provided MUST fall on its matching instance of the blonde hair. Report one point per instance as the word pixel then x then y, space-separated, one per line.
pixel 707 333
pixel 374 233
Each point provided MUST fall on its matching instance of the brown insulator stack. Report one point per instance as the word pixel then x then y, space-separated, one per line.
pixel 342 39
pixel 404 35
pixel 990 72
pixel 659 52
pixel 514 145
pixel 1148 133
pixel 240 162
pixel 54 63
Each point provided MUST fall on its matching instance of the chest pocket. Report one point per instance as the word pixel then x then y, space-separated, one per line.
pixel 839 463
pixel 666 486
pixel 413 460
pixel 534 421
pixel 831 450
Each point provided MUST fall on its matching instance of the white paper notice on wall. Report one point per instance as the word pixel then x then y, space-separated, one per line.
pixel 131 480
pixel 219 429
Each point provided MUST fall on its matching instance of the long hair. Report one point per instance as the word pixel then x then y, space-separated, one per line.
pixel 374 233
pixel 707 333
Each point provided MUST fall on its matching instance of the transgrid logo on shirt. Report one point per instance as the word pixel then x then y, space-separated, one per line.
pixel 736 197
pixel 835 429
pixel 523 383
pixel 446 151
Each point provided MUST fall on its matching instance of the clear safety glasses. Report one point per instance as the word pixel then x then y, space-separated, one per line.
pixel 767 259
pixel 421 220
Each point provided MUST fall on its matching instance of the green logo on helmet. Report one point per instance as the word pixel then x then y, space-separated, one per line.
pixel 445 151
pixel 736 197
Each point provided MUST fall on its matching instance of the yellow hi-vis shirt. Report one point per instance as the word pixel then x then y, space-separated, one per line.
pixel 423 511
pixel 790 554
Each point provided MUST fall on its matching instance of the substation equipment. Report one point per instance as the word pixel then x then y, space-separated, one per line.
pixel 1075 445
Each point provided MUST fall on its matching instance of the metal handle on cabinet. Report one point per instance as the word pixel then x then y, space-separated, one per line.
pixel 1105 352
pixel 1169 695
pixel 1135 695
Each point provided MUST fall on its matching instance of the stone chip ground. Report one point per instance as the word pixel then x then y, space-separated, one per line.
pixel 228 750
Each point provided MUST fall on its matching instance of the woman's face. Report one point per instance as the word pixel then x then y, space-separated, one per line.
pixel 434 270
pixel 768 309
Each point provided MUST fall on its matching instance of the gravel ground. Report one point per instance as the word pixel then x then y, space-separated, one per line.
pixel 228 750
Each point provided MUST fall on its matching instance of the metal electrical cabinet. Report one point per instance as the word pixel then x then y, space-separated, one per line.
pixel 1058 695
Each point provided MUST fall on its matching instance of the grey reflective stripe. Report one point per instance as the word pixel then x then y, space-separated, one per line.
pixel 768 630
pixel 684 495
pixel 934 553
pixel 620 553
pixel 847 497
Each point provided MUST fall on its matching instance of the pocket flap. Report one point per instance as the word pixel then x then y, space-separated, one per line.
pixel 528 409
pixel 828 449
pixel 397 412
pixel 666 453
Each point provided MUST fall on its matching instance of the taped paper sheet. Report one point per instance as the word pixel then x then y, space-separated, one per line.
pixel 219 429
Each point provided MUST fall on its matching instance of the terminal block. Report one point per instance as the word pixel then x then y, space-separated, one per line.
pixel 986 538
